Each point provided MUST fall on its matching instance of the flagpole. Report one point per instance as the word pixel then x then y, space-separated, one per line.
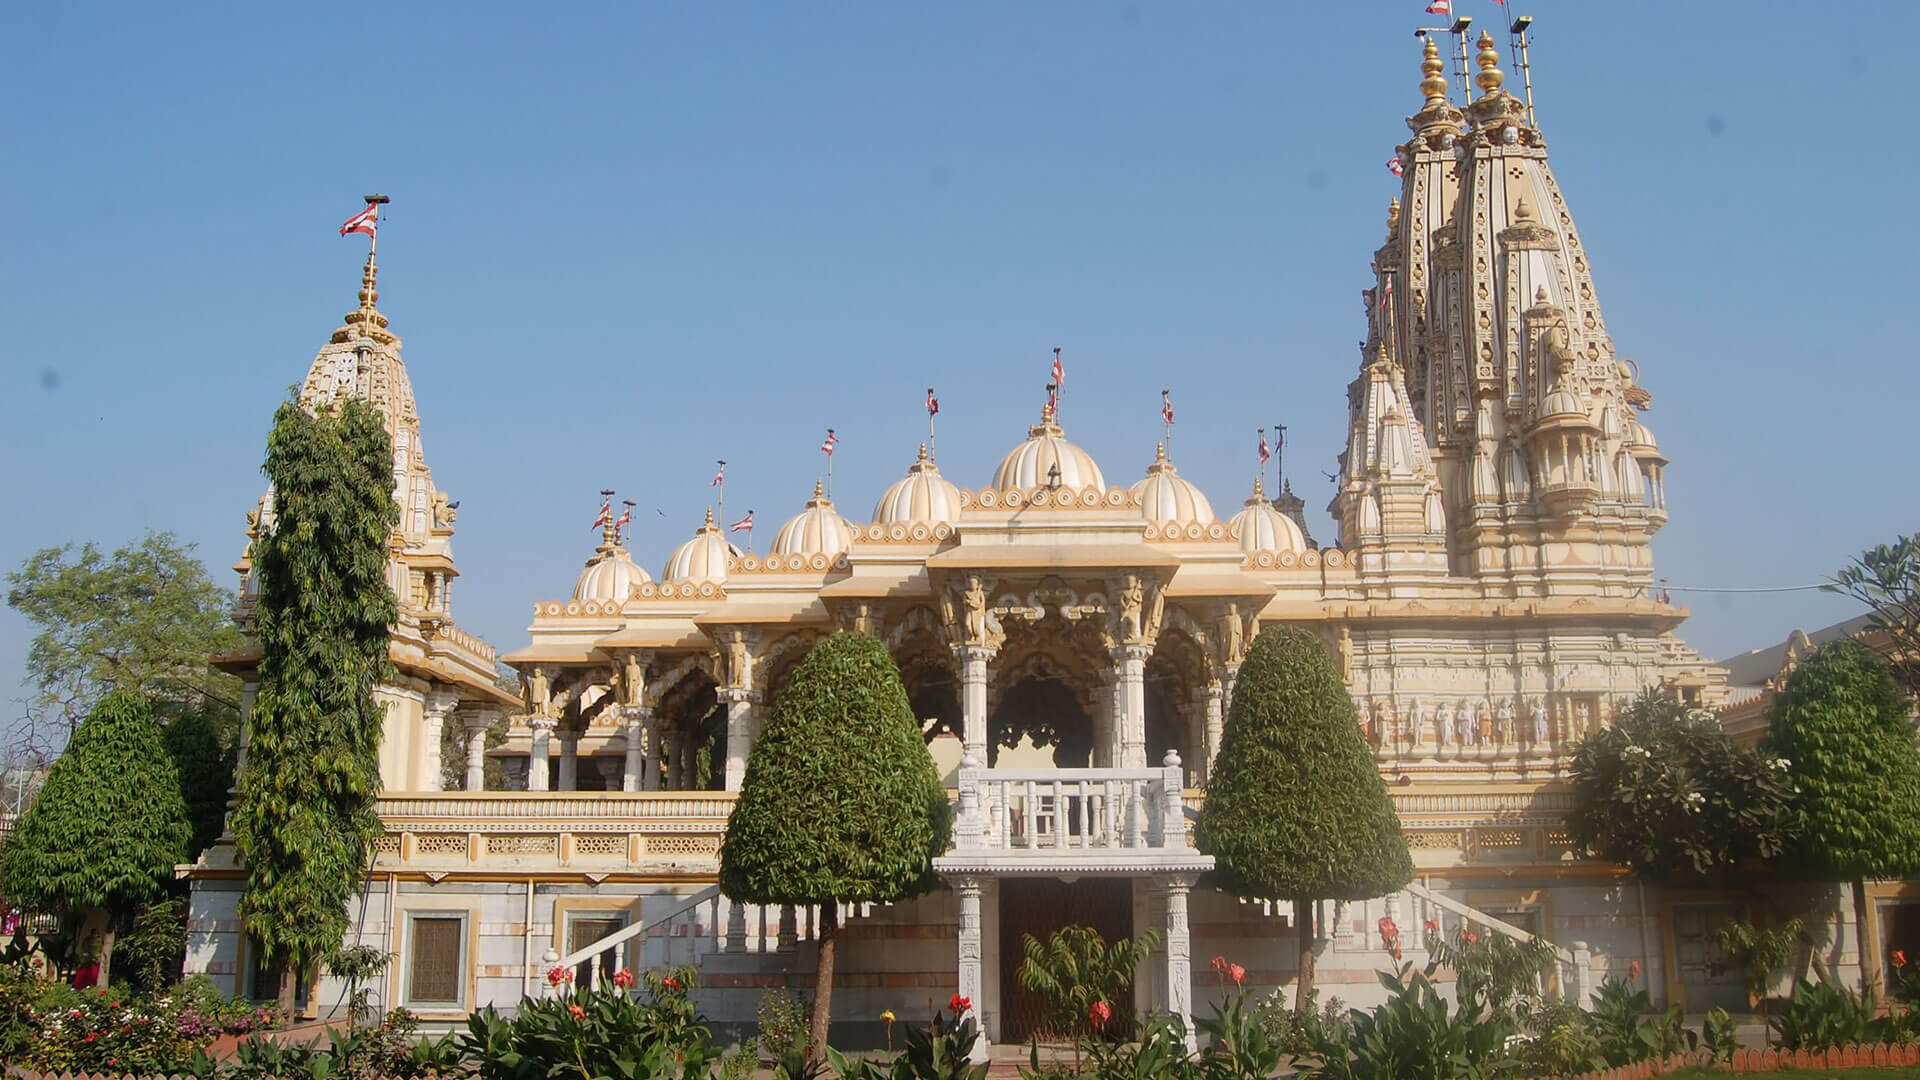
pixel 1279 459
pixel 721 483
pixel 1260 461
pixel 1166 421
pixel 933 408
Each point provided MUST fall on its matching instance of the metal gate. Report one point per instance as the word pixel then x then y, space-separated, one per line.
pixel 1040 906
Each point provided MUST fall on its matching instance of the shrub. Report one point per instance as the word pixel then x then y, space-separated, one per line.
pixel 595 1033
pixel 1820 1015
pixel 1497 972
pixel 1076 972
pixel 1416 1033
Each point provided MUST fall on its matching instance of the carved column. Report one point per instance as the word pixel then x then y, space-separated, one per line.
pixel 740 703
pixel 569 759
pixel 973 699
pixel 789 931
pixel 538 750
pixel 639 734
pixel 438 704
pixel 1216 723
pixel 1179 954
pixel 971 946
pixel 1130 669
pixel 478 724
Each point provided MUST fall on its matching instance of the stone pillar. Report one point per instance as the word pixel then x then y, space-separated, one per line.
pixel 538 751
pixel 639 734
pixel 971 947
pixel 1130 664
pixel 736 926
pixel 973 699
pixel 569 759
pixel 740 702
pixel 1179 955
pixel 1216 723
pixel 789 931
pixel 438 705
pixel 478 724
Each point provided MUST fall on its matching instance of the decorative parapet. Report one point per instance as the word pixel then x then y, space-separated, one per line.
pixel 591 832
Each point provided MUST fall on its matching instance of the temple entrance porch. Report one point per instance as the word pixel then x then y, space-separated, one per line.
pixel 1040 907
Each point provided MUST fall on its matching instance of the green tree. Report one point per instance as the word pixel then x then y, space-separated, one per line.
pixel 109 825
pixel 1844 728
pixel 841 801
pixel 305 815
pixel 1296 809
pixel 205 767
pixel 1665 791
pixel 1886 579
pixel 145 619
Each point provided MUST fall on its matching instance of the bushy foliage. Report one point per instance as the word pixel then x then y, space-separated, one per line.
pixel 305 815
pixel 655 1034
pixel 1757 953
pixel 1417 1034
pixel 1665 791
pixel 1296 809
pixel 1079 975
pixel 1886 578
pixel 109 824
pixel 1500 974
pixel 52 1027
pixel 204 763
pixel 942 1050
pixel 841 753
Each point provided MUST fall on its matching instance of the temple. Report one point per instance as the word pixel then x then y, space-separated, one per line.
pixel 1070 643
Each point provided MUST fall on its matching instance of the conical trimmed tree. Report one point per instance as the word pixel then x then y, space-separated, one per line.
pixel 108 825
pixel 1844 728
pixel 1296 809
pixel 840 802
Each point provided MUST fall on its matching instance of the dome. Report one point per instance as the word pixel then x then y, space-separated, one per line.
pixel 1561 402
pixel 1166 496
pixel 817 530
pixel 1639 437
pixel 1031 464
pixel 706 557
pixel 923 496
pixel 1259 527
pixel 610 575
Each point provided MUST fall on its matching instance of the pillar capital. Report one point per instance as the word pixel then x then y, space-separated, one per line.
pixel 735 695
pixel 979 654
pixel 542 725
pixel 1133 653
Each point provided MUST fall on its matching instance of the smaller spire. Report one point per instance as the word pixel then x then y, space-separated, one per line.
pixel 1259 491
pixel 819 489
pixel 1393 216
pixel 709 523
pixel 1433 82
pixel 923 451
pixel 1490 76
pixel 1160 454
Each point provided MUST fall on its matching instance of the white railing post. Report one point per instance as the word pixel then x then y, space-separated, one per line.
pixel 1581 980
pixel 966 821
pixel 1173 818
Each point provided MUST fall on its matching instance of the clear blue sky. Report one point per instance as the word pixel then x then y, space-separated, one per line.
pixel 629 239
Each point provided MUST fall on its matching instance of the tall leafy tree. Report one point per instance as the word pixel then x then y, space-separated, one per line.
pixel 840 802
pixel 109 825
pixel 1665 791
pixel 205 765
pixel 1846 732
pixel 305 815
pixel 1886 578
pixel 1296 809
pixel 144 618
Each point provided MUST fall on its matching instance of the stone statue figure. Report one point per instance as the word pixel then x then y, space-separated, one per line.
pixel 1444 718
pixel 1417 723
pixel 1539 721
pixel 1389 734
pixel 1232 641
pixel 1583 719
pixel 1467 719
pixel 444 510
pixel 634 679
pixel 1156 611
pixel 1504 728
pixel 1132 597
pixel 538 693
pixel 1345 647
pixel 976 601
pixel 1485 715
pixel 739 659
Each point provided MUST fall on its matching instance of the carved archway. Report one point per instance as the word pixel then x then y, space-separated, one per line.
pixel 1050 684
pixel 1176 686
pixel 918 645
pixel 690 733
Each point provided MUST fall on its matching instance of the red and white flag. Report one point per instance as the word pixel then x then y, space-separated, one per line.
pixel 1386 293
pixel 366 221
pixel 1440 7
pixel 826 444
pixel 1059 372
pixel 1166 408
pixel 606 514
pixel 1265 454
pixel 745 524
pixel 719 475
pixel 933 403
pixel 1396 167
pixel 625 519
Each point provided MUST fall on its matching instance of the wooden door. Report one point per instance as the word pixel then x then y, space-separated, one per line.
pixel 1039 907
pixel 1706 977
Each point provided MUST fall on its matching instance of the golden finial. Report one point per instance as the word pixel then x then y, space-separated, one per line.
pixel 1259 488
pixel 1490 76
pixel 923 451
pixel 1434 82
pixel 709 517
pixel 1046 412
pixel 369 295
pixel 819 489
pixel 1160 454
pixel 1393 215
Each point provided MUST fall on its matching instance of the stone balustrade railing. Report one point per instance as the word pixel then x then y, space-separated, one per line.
pixel 1042 811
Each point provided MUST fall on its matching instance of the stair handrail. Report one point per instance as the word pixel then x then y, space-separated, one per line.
pixel 634 929
pixel 1578 960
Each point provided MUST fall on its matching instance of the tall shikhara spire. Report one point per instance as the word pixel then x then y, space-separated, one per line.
pixel 1485 301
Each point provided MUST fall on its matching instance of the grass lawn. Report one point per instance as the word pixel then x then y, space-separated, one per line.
pixel 1904 1072
pixel 1899 1073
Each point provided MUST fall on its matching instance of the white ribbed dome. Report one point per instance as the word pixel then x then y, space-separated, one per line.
pixel 1561 402
pixel 1259 527
pixel 1166 496
pixel 1639 436
pixel 1031 464
pixel 706 557
pixel 610 575
pixel 817 530
pixel 922 497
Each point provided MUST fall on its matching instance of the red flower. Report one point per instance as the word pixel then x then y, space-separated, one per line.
pixel 1395 953
pixel 1219 963
pixel 1633 970
pixel 1432 925
pixel 578 1012
pixel 558 975
pixel 671 983
pixel 959 1004
pixel 1237 973
pixel 1469 937
pixel 623 978
pixel 1899 958
pixel 1389 928
pixel 1099 1013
